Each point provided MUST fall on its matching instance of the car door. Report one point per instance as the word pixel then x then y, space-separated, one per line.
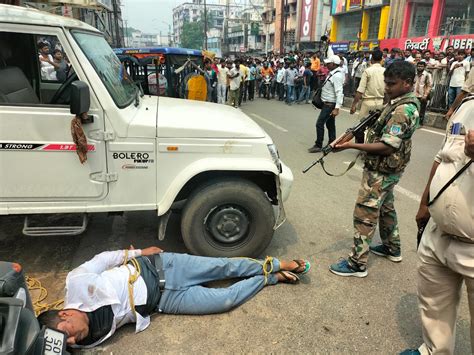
pixel 38 161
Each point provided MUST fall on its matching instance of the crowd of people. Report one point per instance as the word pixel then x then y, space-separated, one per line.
pixel 294 77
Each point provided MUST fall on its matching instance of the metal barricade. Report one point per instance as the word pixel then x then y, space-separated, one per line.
pixel 439 101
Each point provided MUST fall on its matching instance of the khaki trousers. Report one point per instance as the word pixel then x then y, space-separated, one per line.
pixel 365 107
pixel 443 264
pixel 369 104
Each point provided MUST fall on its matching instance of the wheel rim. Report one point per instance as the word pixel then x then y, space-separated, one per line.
pixel 228 224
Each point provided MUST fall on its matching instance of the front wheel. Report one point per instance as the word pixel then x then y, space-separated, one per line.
pixel 228 218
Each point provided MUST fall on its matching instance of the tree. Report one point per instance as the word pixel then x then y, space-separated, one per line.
pixel 193 32
pixel 193 35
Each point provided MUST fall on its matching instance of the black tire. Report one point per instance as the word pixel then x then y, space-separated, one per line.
pixel 233 206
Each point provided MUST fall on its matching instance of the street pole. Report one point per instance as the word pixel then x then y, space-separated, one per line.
pixel 205 25
pixel 282 26
pixel 126 34
pixel 361 24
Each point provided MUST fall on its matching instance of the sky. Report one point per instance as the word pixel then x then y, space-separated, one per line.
pixel 149 15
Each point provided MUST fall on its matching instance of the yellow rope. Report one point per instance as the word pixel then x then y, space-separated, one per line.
pixel 266 264
pixel 131 278
pixel 38 305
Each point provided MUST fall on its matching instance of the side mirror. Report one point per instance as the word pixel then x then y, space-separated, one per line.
pixel 80 98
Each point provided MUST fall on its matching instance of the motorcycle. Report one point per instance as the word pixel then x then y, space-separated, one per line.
pixel 20 331
pixel 267 83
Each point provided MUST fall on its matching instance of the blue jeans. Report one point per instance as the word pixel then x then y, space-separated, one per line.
pixel 185 274
pixel 304 94
pixel 290 93
pixel 453 92
pixel 325 118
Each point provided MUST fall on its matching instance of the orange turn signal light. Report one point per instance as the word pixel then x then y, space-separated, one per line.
pixel 16 267
pixel 172 148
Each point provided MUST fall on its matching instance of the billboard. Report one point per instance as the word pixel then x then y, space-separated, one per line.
pixel 338 6
pixel 355 4
pixel 307 17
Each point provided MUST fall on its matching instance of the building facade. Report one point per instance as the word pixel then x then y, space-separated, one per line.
pixel 105 15
pixel 431 24
pixel 358 24
pixel 295 24
pixel 193 11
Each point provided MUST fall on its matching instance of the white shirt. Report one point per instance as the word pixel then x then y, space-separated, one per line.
pixel 222 76
pixel 332 89
pixel 280 75
pixel 235 82
pixel 459 74
pixel 103 281
pixel 409 59
pixel 48 71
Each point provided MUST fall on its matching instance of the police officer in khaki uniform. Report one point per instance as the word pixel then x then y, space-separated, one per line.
pixel 370 91
pixel 387 153
pixel 446 251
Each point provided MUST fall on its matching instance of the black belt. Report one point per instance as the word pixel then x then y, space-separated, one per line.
pixel 327 103
pixel 154 277
pixel 156 261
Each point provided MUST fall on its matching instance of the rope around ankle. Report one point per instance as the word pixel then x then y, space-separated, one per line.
pixel 267 263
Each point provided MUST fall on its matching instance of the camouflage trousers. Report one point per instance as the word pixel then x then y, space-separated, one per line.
pixel 374 203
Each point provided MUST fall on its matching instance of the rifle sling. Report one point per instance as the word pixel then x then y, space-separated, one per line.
pixel 351 165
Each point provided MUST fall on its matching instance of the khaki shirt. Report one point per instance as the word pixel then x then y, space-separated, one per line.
pixel 469 83
pixel 453 211
pixel 371 84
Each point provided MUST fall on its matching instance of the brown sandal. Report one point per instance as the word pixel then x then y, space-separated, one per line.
pixel 289 277
pixel 305 264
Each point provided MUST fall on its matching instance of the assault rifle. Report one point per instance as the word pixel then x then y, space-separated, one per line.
pixel 346 137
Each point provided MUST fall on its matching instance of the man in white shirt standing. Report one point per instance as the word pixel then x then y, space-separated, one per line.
pixel 280 79
pixel 459 70
pixel 222 82
pixel 126 286
pixel 332 97
pixel 235 79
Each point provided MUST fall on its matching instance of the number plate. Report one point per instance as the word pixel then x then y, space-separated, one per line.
pixel 54 342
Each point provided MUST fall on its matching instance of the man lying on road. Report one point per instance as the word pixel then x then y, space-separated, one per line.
pixel 126 286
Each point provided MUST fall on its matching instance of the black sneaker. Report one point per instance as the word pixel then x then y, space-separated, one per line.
pixel 382 250
pixel 314 149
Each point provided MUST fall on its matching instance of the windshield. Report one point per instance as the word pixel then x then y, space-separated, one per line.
pixel 108 67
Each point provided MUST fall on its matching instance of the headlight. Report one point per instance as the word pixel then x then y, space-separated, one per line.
pixel 275 156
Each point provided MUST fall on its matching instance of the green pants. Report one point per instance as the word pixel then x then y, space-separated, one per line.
pixel 374 203
pixel 234 97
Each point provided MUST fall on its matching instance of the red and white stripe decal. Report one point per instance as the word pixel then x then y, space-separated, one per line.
pixel 64 147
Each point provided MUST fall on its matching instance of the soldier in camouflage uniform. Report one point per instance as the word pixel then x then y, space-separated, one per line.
pixel 387 152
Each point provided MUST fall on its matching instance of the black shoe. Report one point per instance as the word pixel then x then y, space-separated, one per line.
pixel 314 149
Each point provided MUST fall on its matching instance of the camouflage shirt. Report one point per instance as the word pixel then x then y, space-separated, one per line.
pixel 395 127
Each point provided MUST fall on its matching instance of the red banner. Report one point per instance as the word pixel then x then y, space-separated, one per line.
pixel 308 14
pixel 438 43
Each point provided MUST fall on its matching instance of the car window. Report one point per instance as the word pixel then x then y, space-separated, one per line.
pixel 53 63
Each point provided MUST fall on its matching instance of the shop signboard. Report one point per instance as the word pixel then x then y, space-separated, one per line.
pixel 436 43
pixel 355 4
pixel 340 47
pixel 307 17
pixel 370 3
pixel 338 6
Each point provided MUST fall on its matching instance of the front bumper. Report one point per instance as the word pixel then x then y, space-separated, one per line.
pixel 284 181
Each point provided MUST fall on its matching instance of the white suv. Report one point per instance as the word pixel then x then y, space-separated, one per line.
pixel 144 152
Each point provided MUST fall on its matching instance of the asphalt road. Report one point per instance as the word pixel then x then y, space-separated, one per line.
pixel 325 313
